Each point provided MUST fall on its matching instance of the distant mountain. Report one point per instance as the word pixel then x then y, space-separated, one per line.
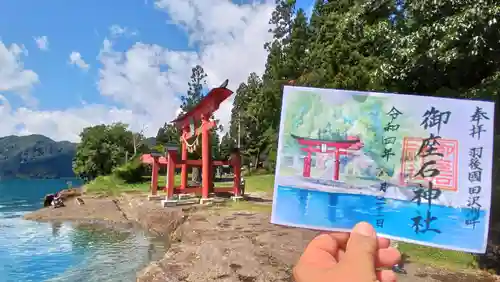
pixel 35 156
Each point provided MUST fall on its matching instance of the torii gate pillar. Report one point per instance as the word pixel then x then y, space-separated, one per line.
pixel 184 157
pixel 154 176
pixel 171 157
pixel 205 156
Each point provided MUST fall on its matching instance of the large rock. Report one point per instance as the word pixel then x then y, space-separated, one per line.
pixel 70 193
pixel 220 245
pixel 47 201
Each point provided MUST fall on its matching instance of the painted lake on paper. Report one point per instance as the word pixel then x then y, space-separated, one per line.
pixel 301 207
pixel 33 251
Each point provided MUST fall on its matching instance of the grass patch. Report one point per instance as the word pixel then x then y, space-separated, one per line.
pixel 111 185
pixel 435 257
pixel 259 183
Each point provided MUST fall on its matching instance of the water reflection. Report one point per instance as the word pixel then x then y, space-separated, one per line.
pixel 86 236
pixel 109 254
pixel 61 251
pixel 33 251
pixel 56 228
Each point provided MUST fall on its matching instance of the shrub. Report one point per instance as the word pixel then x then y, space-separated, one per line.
pixel 131 172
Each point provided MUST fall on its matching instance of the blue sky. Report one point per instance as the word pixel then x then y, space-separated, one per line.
pixel 65 65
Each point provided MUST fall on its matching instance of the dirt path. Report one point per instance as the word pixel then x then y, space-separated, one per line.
pixel 93 209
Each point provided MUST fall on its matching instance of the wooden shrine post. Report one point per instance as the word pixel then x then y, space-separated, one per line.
pixel 154 177
pixel 184 157
pixel 206 160
pixel 236 163
pixel 155 166
pixel 172 159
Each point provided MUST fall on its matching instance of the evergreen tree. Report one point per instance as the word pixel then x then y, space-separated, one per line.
pixel 195 91
pixel 189 101
pixel 227 144
pixel 168 134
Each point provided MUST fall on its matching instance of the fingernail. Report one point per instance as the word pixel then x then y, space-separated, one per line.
pixel 365 229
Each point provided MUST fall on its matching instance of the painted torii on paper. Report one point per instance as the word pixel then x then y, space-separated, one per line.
pixel 335 147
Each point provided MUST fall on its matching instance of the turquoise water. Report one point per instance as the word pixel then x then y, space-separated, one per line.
pixel 324 210
pixel 32 251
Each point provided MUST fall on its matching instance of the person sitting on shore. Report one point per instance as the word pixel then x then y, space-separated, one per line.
pixel 359 256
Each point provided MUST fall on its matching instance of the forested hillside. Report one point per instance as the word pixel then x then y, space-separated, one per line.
pixel 35 156
pixel 446 48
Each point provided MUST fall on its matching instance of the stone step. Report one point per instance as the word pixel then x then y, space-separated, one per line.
pixel 168 203
pixel 156 197
pixel 191 201
pixel 212 200
pixel 173 202
pixel 207 201
pixel 186 196
pixel 237 198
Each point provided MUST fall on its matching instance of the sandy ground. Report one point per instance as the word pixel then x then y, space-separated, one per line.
pixel 214 244
pixel 93 209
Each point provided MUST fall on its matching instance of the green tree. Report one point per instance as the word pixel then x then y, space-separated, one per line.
pixel 215 144
pixel 189 101
pixel 195 91
pixel 168 134
pixel 227 144
pixel 102 148
pixel 446 48
pixel 346 47
pixel 252 117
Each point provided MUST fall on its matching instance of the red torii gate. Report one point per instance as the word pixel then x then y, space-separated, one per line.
pixel 336 147
pixel 200 115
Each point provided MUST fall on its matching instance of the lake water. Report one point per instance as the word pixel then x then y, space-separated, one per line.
pixel 33 251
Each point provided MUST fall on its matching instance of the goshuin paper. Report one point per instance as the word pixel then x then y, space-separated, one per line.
pixel 417 168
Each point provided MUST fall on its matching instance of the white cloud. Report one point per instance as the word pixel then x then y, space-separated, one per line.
pixel 13 77
pixel 146 79
pixel 116 30
pixel 63 125
pixel 42 42
pixel 136 79
pixel 231 38
pixel 75 58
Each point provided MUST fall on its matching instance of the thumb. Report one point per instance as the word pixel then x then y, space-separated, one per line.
pixel 362 247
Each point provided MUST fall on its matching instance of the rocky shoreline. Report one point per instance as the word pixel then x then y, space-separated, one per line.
pixel 124 210
pixel 212 243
